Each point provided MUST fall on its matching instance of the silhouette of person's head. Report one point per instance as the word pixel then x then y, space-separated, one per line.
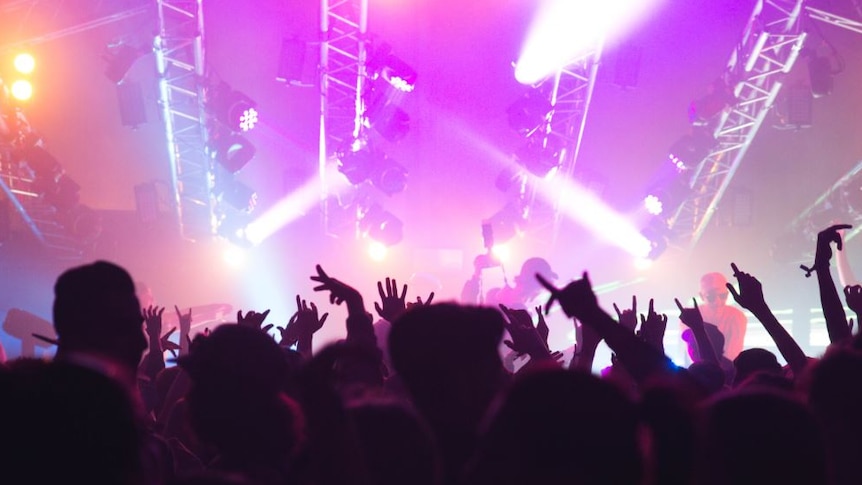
pixel 236 403
pixel 96 312
pixel 752 361
pixel 557 426
pixel 713 290
pixel 526 279
pixel 759 437
pixel 64 423
pixel 447 357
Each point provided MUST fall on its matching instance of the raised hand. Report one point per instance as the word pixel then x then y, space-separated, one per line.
pixel 167 344
pixel 338 291
pixel 823 254
pixel 391 305
pixel 750 295
pixel 542 326
pixel 853 297
pixel 419 301
pixel 628 318
pixel 185 321
pixel 691 317
pixel 525 338
pixel 577 298
pixel 653 327
pixel 253 319
pixel 153 321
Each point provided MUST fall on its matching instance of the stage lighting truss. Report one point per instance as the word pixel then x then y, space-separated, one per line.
pixel 343 80
pixel 770 45
pixel 180 60
pixel 568 95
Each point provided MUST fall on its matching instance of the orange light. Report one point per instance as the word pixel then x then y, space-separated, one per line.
pixel 22 90
pixel 24 63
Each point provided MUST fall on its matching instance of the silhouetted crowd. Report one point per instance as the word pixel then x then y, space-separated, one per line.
pixel 431 402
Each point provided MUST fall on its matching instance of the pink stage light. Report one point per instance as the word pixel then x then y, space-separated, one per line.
pixel 284 212
pixel 581 205
pixel 564 30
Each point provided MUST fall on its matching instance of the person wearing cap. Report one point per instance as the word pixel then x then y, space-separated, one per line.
pixel 526 287
pixel 731 322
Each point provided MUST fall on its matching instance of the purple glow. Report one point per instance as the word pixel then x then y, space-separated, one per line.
pixel 564 30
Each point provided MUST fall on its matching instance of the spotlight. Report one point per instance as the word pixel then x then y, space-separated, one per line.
pixel 529 112
pixel 357 163
pixel 656 232
pixel 24 63
pixel 377 251
pixel 390 178
pixel 233 152
pixel 232 227
pixel 539 158
pixel 392 69
pixel 381 226
pixel 22 90
pixel 239 195
pixel 653 204
pixel 390 121
pixel 233 108
pixel 691 149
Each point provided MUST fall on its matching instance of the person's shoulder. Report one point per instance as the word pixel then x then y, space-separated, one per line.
pixel 736 312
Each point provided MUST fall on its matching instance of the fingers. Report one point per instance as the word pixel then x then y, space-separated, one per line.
pixel 430 298
pixel 298 303
pixel 267 328
pixel 378 309
pixel 323 319
pixel 651 308
pixel 547 284
pixel 634 304
pixel 617 309
pixel 694 301
pixel 169 332
pixel 403 292
pixel 678 305
pixel 735 270
pixel 733 292
pixel 264 314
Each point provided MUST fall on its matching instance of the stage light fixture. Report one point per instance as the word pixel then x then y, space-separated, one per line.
pixel 232 108
pixel 357 163
pixel 657 233
pixel 392 122
pixel 232 227
pixel 529 112
pixel 390 178
pixel 235 193
pixel 233 152
pixel 540 157
pixel 381 225
pixel 24 63
pixel 22 90
pixel 397 73
pixel 377 251
pixel 690 149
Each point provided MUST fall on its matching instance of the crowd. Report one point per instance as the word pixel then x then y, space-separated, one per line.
pixel 431 401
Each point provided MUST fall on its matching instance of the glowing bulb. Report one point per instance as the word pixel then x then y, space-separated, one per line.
pixel 502 252
pixel 653 205
pixel 377 251
pixel 22 90
pixel 24 63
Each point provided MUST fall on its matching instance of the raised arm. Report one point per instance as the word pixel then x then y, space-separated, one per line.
pixel 833 309
pixel 578 300
pixel 750 297
pixel 692 319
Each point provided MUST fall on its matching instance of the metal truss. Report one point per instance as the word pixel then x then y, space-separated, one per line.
pixel 770 45
pixel 570 97
pixel 343 57
pixel 38 217
pixel 180 59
